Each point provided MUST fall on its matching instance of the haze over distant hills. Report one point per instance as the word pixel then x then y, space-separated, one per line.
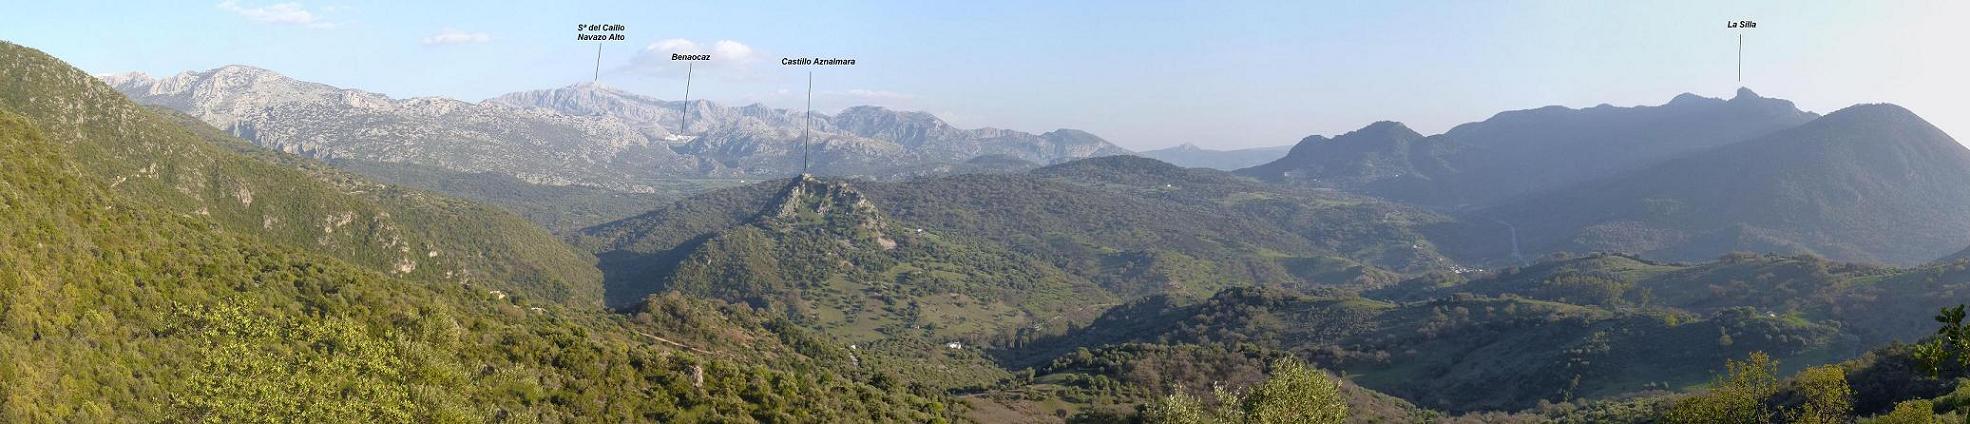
pixel 1522 152
pixel 1866 183
pixel 1113 226
pixel 1189 155
pixel 1691 179
pixel 582 134
pixel 1491 174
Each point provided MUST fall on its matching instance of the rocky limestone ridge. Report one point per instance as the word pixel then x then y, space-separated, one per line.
pixel 839 208
pixel 584 134
pixel 868 132
pixel 332 123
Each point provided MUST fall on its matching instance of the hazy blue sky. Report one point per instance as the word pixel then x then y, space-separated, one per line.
pixel 1142 74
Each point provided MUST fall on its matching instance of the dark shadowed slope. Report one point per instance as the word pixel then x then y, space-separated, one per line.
pixel 1866 183
pixel 1528 151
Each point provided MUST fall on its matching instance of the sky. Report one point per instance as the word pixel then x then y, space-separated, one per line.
pixel 1142 74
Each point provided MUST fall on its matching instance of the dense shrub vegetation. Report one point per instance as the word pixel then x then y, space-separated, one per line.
pixel 116 308
pixel 156 269
pixel 283 199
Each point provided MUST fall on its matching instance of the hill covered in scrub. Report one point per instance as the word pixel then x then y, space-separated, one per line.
pixel 1117 227
pixel 1583 329
pixel 123 302
pixel 281 199
pixel 1016 271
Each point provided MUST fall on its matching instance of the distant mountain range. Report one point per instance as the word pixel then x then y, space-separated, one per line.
pixel 1691 179
pixel 583 134
pixel 1553 178
pixel 1865 183
pixel 1523 152
pixel 1189 155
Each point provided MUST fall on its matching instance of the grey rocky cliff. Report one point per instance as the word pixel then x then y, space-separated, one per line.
pixel 583 134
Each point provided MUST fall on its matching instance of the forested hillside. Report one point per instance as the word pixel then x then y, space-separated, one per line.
pixel 1105 259
pixel 118 305
pixel 282 199
pixel 1586 331
pixel 1114 228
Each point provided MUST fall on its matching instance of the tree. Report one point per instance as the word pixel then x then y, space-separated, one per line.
pixel 1951 344
pixel 1296 393
pixel 1909 412
pixel 1177 408
pixel 1828 397
pixel 1735 398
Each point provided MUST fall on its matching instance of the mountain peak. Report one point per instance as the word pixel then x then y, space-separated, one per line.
pixel 1960 255
pixel 1746 93
pixel 1688 98
pixel 229 77
pixel 866 109
pixel 1884 119
pixel 595 87
pixel 1072 134
pixel 879 112
pixel 244 70
pixel 1385 125
pixel 1383 130
pixel 1873 110
pixel 115 80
